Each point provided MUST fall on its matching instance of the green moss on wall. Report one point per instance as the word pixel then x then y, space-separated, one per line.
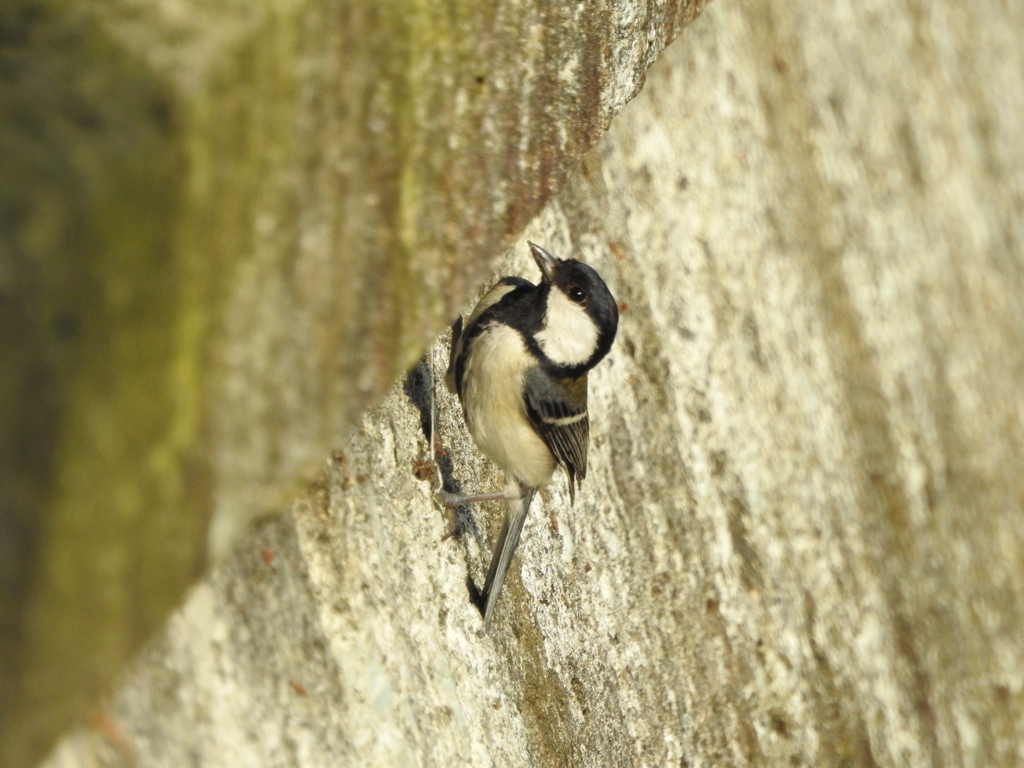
pixel 94 542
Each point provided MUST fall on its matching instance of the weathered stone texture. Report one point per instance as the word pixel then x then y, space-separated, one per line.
pixel 800 540
pixel 225 229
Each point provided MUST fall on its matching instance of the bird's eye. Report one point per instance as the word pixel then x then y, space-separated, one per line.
pixel 577 294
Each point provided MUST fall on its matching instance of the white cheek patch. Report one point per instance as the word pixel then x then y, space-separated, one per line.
pixel 569 336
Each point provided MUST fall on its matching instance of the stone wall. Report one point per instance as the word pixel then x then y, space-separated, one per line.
pixel 800 539
pixel 225 229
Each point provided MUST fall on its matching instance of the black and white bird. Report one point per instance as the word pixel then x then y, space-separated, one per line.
pixel 519 366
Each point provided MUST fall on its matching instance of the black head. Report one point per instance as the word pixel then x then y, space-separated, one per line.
pixel 580 316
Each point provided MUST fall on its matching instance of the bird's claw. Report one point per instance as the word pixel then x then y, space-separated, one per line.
pixel 454 524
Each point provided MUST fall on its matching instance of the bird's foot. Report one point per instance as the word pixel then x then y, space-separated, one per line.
pixel 454 524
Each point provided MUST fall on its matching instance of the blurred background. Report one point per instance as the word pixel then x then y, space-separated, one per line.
pixel 229 229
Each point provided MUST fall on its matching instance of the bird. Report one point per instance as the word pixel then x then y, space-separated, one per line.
pixel 519 366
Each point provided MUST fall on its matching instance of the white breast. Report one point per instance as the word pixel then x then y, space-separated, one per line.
pixel 495 413
pixel 569 336
pixel 492 297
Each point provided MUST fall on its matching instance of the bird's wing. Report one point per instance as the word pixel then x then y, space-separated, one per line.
pixel 557 408
pixel 453 355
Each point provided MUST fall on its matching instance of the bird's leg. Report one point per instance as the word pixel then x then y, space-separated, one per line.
pixel 449 501
pixel 512 492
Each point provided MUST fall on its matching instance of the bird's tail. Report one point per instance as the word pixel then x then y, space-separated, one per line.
pixel 511 528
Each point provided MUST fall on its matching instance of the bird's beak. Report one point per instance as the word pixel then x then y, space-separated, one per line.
pixel 545 261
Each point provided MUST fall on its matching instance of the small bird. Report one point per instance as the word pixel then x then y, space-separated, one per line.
pixel 519 366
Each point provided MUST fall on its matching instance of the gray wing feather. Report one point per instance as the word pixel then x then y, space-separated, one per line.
pixel 557 408
pixel 453 355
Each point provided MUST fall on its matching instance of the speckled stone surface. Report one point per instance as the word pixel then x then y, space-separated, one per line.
pixel 226 227
pixel 800 538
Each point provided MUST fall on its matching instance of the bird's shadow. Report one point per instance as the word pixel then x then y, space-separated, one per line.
pixel 419 389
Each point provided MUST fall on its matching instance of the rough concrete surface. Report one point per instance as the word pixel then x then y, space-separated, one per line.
pixel 800 539
pixel 226 227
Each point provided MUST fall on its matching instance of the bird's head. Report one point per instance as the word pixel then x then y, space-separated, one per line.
pixel 580 315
